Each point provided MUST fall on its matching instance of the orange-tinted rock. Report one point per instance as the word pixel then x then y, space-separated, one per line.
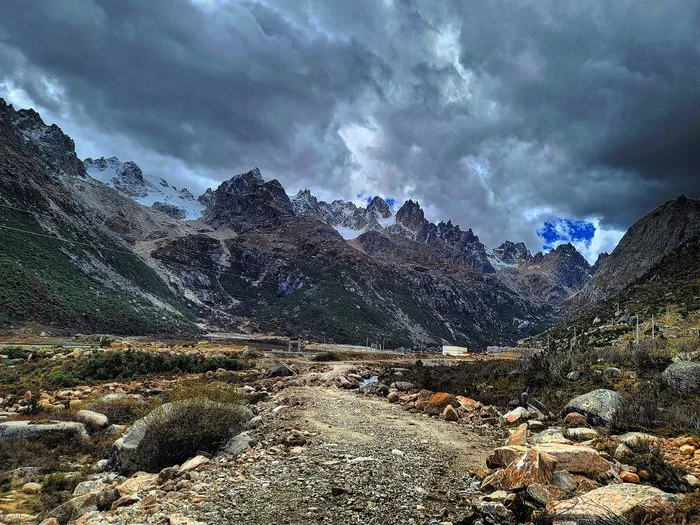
pixel 469 403
pixel 577 459
pixel 584 484
pixel 531 467
pixel 625 501
pixel 574 419
pixel 422 399
pixel 503 456
pixel 519 436
pixel 629 477
pixel 438 401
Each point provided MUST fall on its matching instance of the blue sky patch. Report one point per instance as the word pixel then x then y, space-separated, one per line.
pixel 560 231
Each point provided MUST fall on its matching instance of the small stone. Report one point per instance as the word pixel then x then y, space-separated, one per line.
pixel 612 373
pixel 450 414
pixel 193 463
pixel 574 419
pixel 397 452
pixel 31 488
pixel 393 397
pixel 687 450
pixel 622 451
pixel 692 480
pixel 629 477
pixel 518 436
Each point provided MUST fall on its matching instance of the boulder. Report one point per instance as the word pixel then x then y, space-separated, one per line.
pixel 137 483
pixel 423 398
pixel 574 419
pixel 503 456
pixel 237 444
pixel 279 370
pixel 29 429
pixel 577 459
pixel 516 415
pixel 683 377
pixel 75 507
pixel 93 420
pixel 564 481
pixel 543 494
pixel 530 467
pixel 550 435
pixel 192 464
pixel 599 406
pixel 393 397
pixel 613 503
pixel 403 386
pixel 438 401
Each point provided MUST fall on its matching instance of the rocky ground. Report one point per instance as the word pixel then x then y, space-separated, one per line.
pixel 330 443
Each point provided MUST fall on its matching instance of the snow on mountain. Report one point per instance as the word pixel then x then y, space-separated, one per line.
pixel 348 219
pixel 151 191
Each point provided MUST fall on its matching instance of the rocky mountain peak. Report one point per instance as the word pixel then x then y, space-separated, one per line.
pixel 568 267
pixel 128 178
pixel 601 257
pixel 246 202
pixel 411 216
pixel 380 207
pixel 53 147
pixel 512 252
pixel 644 244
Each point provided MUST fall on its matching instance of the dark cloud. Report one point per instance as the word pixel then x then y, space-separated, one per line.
pixel 499 115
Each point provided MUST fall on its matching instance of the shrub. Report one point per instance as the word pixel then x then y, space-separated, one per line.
pixel 63 378
pixel 133 363
pixel 216 391
pixel 122 411
pixel 176 431
pixel 662 474
pixel 326 356
pixel 15 352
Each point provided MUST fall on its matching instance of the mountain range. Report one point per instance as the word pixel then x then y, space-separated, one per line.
pixel 98 245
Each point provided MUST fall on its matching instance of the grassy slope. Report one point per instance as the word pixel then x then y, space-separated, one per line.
pixel 673 282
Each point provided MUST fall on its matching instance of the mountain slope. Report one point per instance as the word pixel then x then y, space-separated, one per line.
pixel 672 284
pixel 645 243
pixel 60 265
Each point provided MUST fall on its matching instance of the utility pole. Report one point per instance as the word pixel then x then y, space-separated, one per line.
pixel 637 316
pixel 367 342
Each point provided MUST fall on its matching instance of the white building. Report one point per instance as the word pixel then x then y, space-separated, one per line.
pixel 455 350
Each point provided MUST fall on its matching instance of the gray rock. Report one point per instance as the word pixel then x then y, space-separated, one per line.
pixel 29 429
pixel 255 422
pixel 92 419
pixel 612 373
pixel 238 444
pixel 683 377
pixel 599 406
pixel 564 481
pixel 574 375
pixel 403 386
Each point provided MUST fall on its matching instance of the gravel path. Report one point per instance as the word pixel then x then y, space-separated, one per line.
pixel 364 461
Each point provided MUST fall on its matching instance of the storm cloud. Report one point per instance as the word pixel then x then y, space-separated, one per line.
pixel 500 115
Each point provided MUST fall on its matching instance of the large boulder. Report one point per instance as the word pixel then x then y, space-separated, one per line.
pixel 438 401
pixel 93 420
pixel 175 431
pixel 683 377
pixel 531 467
pixel 599 406
pixel 29 429
pixel 577 459
pixel 625 502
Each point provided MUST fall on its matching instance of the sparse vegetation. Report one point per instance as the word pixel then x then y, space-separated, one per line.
pixel 327 356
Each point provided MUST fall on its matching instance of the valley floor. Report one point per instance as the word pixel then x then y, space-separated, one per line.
pixel 364 461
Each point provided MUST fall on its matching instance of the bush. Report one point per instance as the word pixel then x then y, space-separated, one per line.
pixel 108 365
pixel 63 378
pixel 122 411
pixel 662 474
pixel 326 356
pixel 176 431
pixel 216 391
pixel 15 352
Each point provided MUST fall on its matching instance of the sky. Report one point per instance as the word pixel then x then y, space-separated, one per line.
pixel 544 121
